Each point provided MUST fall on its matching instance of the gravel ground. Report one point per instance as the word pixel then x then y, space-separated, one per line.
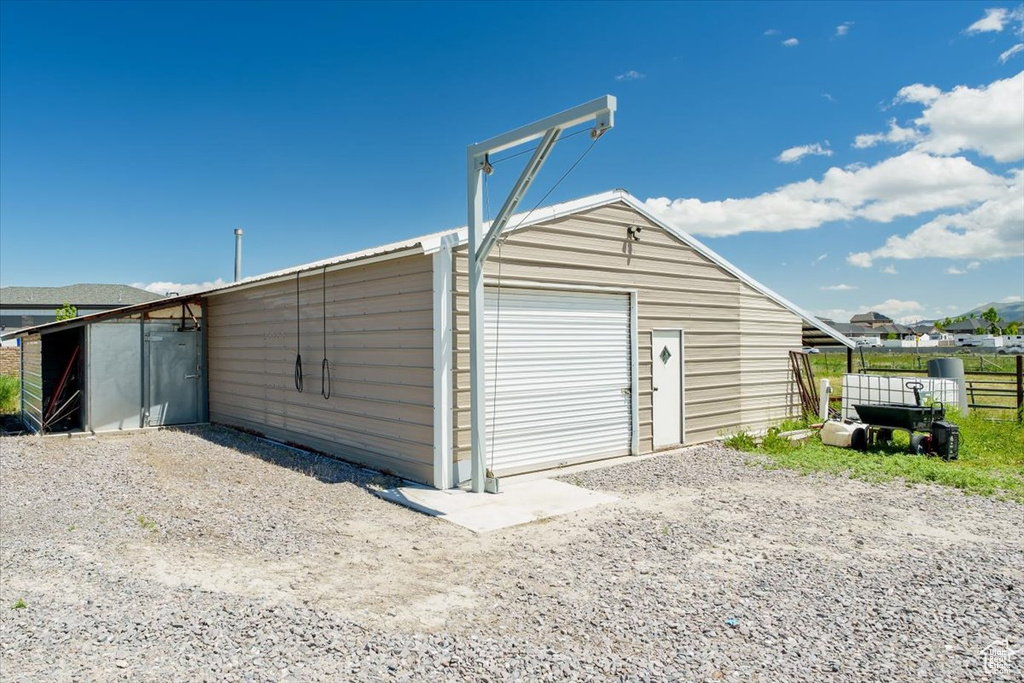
pixel 209 555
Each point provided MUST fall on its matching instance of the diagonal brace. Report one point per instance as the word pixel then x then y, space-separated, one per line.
pixel 526 178
pixel 602 112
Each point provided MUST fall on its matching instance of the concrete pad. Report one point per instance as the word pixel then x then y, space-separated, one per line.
pixel 519 502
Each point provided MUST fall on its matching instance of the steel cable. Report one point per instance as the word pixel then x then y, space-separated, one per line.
pixel 325 366
pixel 298 340
pixel 500 242
pixel 527 151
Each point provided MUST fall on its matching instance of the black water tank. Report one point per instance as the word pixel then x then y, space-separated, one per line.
pixel 946 440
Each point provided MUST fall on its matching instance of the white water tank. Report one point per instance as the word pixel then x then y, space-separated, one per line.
pixel 843 434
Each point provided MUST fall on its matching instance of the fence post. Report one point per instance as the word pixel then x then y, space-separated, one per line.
pixel 1020 387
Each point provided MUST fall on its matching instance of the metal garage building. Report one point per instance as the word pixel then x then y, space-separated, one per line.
pixel 602 340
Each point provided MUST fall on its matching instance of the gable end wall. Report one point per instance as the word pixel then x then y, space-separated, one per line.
pixel 736 339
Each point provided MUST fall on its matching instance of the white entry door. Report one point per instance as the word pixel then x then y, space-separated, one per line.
pixel 559 373
pixel 667 383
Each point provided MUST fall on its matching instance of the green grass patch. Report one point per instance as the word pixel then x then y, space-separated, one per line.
pixel 145 523
pixel 10 391
pixel 991 461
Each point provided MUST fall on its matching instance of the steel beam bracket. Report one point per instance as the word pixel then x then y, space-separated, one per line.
pixel 602 112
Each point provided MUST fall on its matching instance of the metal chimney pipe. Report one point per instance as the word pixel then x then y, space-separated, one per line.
pixel 238 254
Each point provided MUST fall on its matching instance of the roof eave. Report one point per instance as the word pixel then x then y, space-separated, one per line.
pixel 79 321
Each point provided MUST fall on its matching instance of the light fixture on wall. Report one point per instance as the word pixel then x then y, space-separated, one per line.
pixel 634 232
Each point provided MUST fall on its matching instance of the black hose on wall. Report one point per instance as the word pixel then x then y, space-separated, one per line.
pixel 325 366
pixel 298 340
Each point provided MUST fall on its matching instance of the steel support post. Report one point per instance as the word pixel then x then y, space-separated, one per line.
pixel 601 111
pixel 477 380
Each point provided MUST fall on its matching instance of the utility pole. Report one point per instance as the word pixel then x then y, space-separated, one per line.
pixel 602 112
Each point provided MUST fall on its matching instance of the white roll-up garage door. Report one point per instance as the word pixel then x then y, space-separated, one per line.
pixel 558 378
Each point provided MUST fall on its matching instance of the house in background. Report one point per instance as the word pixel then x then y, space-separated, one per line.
pixel 871 319
pixel 875 329
pixel 974 332
pixel 22 307
pixel 862 335
pixel 969 326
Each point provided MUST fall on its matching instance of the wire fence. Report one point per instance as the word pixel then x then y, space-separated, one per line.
pixel 994 390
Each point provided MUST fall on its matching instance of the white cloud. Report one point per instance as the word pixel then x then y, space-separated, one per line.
pixel 918 92
pixel 163 288
pixel 895 134
pixel 843 28
pixel 770 212
pixel 821 258
pixel 841 315
pixel 954 270
pixel 794 154
pixel 976 214
pixel 906 185
pixel 996 19
pixel 837 288
pixel 828 97
pixel 772 32
pixel 861 260
pixel 1010 52
pixel 631 75
pixel 992 230
pixel 988 120
pixel 1012 299
pixel 791 42
pixel 896 307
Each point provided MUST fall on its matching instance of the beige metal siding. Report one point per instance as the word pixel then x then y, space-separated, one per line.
pixel 727 379
pixel 769 333
pixel 379 344
pixel 32 381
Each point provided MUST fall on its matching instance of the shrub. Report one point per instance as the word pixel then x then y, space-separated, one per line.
pixel 10 389
pixel 773 443
pixel 741 441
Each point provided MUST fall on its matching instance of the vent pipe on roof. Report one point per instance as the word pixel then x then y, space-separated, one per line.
pixel 238 254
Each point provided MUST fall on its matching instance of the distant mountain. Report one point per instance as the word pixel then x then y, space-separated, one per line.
pixel 1008 312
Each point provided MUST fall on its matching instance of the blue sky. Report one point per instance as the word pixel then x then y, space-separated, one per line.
pixel 848 155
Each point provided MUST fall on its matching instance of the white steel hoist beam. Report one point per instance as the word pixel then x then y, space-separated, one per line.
pixel 602 112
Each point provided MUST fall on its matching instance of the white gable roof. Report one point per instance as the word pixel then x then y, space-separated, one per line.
pixel 430 243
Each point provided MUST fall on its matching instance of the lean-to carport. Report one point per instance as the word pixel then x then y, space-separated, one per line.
pixel 138 366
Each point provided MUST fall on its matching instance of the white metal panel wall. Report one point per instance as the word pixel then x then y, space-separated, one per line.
pixel 558 377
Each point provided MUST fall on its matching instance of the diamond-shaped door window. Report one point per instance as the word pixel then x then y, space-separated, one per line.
pixel 665 355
